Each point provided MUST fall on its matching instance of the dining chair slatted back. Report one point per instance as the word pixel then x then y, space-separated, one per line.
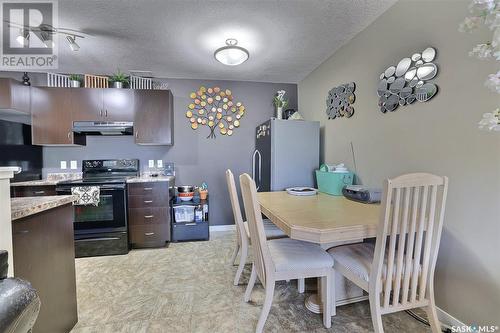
pixel 261 256
pixel 241 236
pixel 407 244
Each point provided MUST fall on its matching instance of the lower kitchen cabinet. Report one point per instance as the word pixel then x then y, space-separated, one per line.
pixel 44 255
pixel 148 214
pixel 32 191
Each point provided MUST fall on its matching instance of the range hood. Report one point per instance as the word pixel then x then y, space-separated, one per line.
pixel 103 127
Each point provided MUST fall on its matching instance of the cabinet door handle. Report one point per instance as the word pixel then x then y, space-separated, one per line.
pixel 148 201
pixel 149 233
pixel 148 189
pixel 149 216
pixel 189 224
pixel 100 113
pixel 136 134
pixel 22 232
pixel 39 192
pixel 69 135
pixel 106 113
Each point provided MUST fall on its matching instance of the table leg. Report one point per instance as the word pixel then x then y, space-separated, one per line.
pixel 313 302
pixel 346 292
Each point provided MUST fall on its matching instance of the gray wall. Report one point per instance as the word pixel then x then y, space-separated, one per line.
pixel 439 136
pixel 197 158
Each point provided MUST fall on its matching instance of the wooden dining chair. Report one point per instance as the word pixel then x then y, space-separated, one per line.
pixel 242 231
pixel 398 271
pixel 282 259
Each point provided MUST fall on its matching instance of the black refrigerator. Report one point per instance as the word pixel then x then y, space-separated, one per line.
pixel 16 150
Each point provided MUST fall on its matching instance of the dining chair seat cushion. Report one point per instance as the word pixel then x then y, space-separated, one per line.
pixel 271 230
pixel 294 255
pixel 358 259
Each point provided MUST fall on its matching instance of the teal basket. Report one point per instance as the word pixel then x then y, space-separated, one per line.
pixel 332 182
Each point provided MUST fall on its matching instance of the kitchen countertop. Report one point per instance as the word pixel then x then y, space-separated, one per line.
pixel 52 179
pixel 43 182
pixel 147 179
pixel 26 206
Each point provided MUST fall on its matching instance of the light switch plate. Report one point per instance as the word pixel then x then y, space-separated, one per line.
pixel 64 165
pixel 151 163
pixel 159 164
pixel 73 165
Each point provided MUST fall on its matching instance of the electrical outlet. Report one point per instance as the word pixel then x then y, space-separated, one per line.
pixel 73 165
pixel 151 163
pixel 159 164
pixel 64 165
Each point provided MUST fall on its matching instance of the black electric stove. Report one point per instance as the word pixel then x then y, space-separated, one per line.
pixel 102 229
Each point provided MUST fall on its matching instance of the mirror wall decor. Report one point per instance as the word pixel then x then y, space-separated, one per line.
pixel 339 101
pixel 406 82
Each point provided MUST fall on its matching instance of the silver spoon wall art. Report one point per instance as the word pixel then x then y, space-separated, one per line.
pixel 407 82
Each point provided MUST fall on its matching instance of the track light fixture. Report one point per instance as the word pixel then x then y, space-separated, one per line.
pixel 23 37
pixel 72 43
pixel 47 39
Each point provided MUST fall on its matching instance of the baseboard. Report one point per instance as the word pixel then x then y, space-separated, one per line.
pixel 229 227
pixel 447 319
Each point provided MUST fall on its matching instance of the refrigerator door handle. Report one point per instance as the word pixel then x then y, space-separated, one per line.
pixel 260 169
pixel 253 163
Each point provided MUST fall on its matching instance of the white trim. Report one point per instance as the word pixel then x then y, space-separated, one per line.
pixel 229 227
pixel 447 319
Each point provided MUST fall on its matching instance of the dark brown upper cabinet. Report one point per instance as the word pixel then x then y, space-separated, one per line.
pixel 153 124
pixel 86 104
pixel 89 104
pixel 118 104
pixel 14 97
pixel 51 117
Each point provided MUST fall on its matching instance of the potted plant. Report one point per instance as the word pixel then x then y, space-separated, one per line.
pixel 119 79
pixel 75 80
pixel 280 102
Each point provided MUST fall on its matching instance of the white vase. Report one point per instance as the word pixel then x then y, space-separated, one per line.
pixel 279 113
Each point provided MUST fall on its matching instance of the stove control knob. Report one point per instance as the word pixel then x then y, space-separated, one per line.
pixel 95 163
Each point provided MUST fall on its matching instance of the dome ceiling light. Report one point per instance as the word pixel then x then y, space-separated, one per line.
pixel 231 54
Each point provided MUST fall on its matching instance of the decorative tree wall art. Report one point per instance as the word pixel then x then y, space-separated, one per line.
pixel 407 82
pixel 215 108
pixel 339 101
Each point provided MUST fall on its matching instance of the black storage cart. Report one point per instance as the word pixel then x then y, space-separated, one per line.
pixel 186 229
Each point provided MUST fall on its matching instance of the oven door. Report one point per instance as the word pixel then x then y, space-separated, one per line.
pixel 109 216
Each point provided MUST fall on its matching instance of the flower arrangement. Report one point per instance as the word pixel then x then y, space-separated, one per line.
pixel 486 12
pixel 280 102
pixel 279 99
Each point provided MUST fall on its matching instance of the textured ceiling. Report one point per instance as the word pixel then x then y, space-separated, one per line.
pixel 287 39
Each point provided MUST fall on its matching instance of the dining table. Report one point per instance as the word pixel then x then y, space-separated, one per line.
pixel 328 221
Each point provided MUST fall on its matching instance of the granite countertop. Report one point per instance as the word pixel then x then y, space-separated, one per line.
pixel 52 179
pixel 26 206
pixel 148 179
pixel 42 182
